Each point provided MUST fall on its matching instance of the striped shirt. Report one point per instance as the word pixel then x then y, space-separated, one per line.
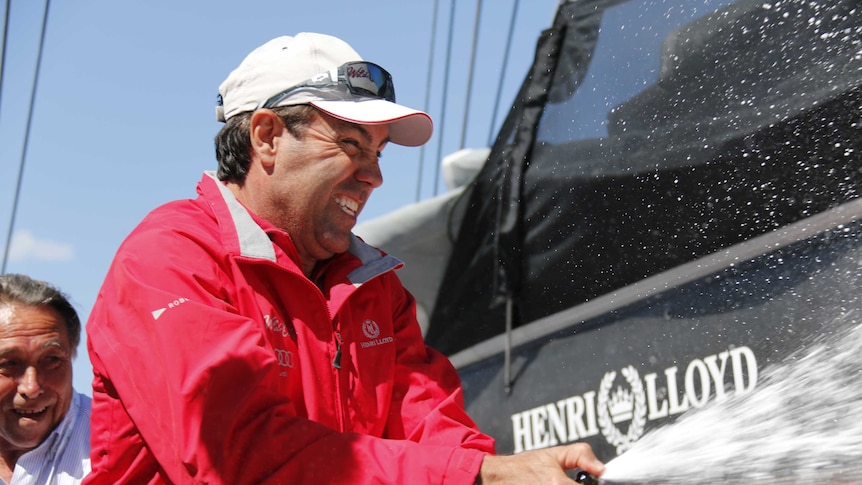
pixel 64 457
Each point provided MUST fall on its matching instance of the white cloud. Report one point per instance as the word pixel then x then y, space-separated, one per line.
pixel 25 246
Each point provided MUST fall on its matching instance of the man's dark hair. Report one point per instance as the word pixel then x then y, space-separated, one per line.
pixel 18 289
pixel 233 144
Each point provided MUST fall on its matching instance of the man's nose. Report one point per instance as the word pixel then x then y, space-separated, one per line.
pixel 28 384
pixel 370 173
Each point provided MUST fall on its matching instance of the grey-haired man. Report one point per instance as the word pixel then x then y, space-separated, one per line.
pixel 44 422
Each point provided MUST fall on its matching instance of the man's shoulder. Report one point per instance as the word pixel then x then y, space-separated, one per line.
pixel 178 219
pixel 80 410
pixel 84 403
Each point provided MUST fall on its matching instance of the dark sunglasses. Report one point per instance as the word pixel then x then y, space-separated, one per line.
pixel 361 78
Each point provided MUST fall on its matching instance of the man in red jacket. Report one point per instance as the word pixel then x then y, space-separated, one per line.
pixel 247 336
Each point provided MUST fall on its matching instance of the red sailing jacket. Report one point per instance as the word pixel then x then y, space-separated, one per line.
pixel 217 361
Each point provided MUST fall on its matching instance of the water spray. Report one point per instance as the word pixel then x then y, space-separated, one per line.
pixel 802 424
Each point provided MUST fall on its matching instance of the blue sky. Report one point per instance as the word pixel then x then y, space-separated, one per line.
pixel 124 109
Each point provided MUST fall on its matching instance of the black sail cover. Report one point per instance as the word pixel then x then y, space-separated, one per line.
pixel 648 134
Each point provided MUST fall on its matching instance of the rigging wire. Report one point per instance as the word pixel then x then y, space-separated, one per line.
pixel 491 130
pixel 445 90
pixel 26 136
pixel 427 95
pixel 3 47
pixel 470 73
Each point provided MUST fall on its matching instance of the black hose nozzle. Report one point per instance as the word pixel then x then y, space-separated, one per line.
pixel 584 477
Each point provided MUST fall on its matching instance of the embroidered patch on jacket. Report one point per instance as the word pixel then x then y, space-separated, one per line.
pixel 371 330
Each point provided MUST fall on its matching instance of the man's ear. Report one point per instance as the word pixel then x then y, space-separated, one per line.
pixel 265 127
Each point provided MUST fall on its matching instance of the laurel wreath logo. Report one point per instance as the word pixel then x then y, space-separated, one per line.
pixel 614 436
pixel 370 329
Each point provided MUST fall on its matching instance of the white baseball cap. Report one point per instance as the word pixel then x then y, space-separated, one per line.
pixel 327 73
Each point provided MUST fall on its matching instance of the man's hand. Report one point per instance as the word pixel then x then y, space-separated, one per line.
pixel 546 466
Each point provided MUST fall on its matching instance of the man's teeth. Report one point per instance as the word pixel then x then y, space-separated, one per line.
pixel 347 205
pixel 27 412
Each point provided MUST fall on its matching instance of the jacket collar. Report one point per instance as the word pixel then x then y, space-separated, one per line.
pixel 255 243
pixel 252 239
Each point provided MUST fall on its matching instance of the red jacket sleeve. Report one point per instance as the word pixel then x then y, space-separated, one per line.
pixel 186 391
pixel 428 404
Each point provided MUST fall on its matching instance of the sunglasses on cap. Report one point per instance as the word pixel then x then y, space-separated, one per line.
pixel 361 79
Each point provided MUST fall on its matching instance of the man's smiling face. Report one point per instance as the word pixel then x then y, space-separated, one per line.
pixel 35 375
pixel 319 183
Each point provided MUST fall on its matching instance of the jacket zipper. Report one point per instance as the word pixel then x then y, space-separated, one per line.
pixel 336 362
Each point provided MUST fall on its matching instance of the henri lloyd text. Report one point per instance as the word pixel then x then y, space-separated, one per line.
pixel 635 401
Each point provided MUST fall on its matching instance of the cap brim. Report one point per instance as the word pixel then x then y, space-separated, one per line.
pixel 407 126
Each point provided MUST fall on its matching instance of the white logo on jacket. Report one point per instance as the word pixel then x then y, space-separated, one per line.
pixel 285 358
pixel 276 326
pixel 372 331
pixel 158 312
